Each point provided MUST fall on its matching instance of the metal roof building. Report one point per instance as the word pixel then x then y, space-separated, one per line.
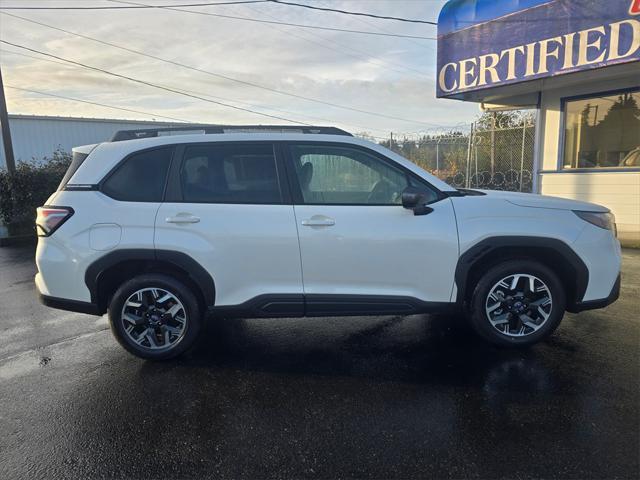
pixel 35 137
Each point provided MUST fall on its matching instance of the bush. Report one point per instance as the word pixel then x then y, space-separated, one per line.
pixel 28 188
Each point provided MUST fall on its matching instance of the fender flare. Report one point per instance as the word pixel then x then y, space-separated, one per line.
pixel 480 250
pixel 196 272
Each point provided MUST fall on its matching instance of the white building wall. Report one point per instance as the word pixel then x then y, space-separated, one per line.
pixel 619 190
pixel 36 137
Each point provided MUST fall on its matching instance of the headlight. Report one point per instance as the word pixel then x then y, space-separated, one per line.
pixel 606 220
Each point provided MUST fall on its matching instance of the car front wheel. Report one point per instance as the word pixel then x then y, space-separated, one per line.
pixel 517 302
pixel 155 316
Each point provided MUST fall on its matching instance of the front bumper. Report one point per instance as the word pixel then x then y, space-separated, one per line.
pixel 599 303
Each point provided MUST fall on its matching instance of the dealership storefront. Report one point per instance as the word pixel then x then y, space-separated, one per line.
pixel 578 64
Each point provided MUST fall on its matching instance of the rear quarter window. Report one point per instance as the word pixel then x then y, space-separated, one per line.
pixel 76 160
pixel 141 177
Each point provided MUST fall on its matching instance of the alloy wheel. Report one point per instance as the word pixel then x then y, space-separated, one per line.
pixel 154 319
pixel 519 305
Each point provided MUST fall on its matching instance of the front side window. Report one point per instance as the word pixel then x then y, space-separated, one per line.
pixel 230 174
pixel 141 177
pixel 337 175
pixel 603 131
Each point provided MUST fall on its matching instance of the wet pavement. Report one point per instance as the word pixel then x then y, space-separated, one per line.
pixel 383 397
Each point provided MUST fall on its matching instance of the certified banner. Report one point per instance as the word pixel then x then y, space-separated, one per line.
pixel 488 43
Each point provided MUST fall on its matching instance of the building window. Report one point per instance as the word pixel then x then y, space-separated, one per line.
pixel 603 131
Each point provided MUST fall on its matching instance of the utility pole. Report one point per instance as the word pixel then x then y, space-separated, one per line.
pixel 6 132
pixel 468 168
pixel 493 142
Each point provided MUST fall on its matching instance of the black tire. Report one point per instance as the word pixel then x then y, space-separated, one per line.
pixel 192 324
pixel 479 318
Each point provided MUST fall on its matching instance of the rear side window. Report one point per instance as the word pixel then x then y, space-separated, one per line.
pixel 230 174
pixel 76 160
pixel 141 177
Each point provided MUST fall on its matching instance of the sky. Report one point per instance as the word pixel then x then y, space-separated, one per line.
pixel 389 76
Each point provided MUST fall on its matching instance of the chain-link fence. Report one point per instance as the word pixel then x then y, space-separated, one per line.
pixel 495 153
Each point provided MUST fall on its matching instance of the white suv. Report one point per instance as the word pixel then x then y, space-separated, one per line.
pixel 162 230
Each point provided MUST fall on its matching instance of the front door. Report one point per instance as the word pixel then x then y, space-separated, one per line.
pixel 359 246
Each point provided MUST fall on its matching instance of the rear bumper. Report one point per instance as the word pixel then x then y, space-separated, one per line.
pixel 599 303
pixel 70 305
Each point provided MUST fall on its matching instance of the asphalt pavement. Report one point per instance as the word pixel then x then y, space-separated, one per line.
pixel 381 397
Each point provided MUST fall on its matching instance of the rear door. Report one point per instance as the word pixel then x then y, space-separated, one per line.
pixel 125 215
pixel 228 206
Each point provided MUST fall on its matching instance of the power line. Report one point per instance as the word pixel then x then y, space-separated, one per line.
pixel 300 25
pixel 123 7
pixel 238 2
pixel 380 29
pixel 366 129
pixel 150 84
pixel 288 112
pixel 331 121
pixel 134 5
pixel 359 54
pixel 36 58
pixel 320 44
pixel 359 14
pixel 96 103
pixel 219 75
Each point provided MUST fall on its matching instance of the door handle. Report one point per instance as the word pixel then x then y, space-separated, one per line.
pixel 319 221
pixel 182 218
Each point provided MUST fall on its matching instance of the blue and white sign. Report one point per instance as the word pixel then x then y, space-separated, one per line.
pixel 488 43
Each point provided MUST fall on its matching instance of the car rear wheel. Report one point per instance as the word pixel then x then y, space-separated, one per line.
pixel 155 316
pixel 518 302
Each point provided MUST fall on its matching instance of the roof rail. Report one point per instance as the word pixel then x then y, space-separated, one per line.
pixel 212 129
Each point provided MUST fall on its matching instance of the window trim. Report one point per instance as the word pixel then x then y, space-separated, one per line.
pixel 563 127
pixel 174 185
pixel 116 167
pixel 296 191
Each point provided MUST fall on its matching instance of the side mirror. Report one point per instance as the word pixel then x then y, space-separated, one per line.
pixel 414 199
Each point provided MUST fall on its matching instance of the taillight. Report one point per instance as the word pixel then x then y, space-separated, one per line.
pixel 49 219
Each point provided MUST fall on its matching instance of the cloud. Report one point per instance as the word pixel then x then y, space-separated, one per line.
pixel 391 76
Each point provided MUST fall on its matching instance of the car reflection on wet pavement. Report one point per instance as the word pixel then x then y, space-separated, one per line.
pixel 381 397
